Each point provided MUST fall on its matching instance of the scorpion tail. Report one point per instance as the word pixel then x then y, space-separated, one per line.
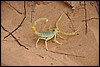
pixel 34 29
pixel 34 25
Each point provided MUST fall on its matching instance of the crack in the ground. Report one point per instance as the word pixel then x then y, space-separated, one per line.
pixel 14 37
pixel 67 54
pixel 13 8
pixel 32 9
pixel 91 19
pixel 96 6
pixel 19 24
pixel 71 22
pixel 85 17
pixel 24 43
pixel 40 55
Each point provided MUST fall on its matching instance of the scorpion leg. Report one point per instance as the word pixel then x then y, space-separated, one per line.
pixel 46 44
pixel 37 42
pixel 60 36
pixel 57 41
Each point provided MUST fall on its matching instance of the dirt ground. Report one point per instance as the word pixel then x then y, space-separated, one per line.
pixel 18 48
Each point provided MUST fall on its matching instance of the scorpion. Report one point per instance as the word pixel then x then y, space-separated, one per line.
pixel 51 33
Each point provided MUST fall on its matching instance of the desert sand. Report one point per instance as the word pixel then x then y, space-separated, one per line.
pixel 77 50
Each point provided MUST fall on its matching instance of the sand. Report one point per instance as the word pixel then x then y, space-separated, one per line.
pixel 78 50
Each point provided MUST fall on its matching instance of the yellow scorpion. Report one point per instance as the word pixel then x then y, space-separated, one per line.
pixel 51 33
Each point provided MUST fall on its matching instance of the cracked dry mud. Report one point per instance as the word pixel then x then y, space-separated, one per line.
pixel 18 39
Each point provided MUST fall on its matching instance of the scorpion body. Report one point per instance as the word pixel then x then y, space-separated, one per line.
pixel 49 34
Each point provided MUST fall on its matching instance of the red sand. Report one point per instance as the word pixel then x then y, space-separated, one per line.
pixel 85 46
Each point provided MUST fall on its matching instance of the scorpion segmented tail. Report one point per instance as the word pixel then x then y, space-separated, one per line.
pixel 34 25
